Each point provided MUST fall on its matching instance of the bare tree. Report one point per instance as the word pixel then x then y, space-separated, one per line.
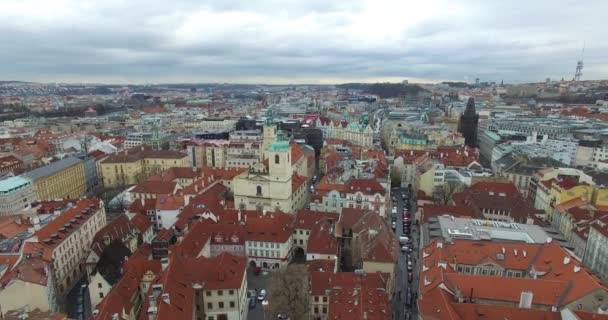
pixel 443 194
pixel 289 292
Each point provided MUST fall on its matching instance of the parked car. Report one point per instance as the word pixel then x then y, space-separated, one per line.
pixel 403 240
pixel 410 266
pixel 262 295
pixel 410 277
pixel 409 297
pixel 252 302
pixel 281 316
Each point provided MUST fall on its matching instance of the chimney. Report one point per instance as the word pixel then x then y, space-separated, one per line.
pixel 566 260
pixel 95 313
pixel 515 252
pixel 164 263
pixel 524 253
pixel 577 268
pixel 115 316
pixel 239 215
pixel 36 222
pixel 525 299
pixel 166 298
pixel 264 212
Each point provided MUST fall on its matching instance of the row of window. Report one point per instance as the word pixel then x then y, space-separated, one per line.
pixel 219 293
pixel 267 245
pixel 220 305
pixel 264 253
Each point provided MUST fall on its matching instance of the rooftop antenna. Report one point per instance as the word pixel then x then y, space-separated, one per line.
pixel 579 66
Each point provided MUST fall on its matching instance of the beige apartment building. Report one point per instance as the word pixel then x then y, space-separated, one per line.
pixel 137 164
pixel 61 179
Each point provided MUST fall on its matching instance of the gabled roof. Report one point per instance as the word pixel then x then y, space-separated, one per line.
pixel 320 281
pixel 118 229
pixel 306 219
pixel 321 240
pixel 359 303
pixel 269 226
pixel 377 239
pixel 74 217
pixel 155 187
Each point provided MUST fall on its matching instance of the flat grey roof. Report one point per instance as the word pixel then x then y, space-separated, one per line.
pixel 52 168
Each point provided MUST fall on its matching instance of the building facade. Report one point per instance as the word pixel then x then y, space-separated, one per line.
pixel 62 179
pixel 16 194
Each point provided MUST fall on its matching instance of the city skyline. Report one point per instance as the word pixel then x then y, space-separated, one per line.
pixel 314 42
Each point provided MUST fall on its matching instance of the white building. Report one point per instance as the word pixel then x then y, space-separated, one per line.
pixel 272 188
pixel 269 239
pixel 16 194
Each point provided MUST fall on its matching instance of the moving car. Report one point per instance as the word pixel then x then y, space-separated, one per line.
pixel 251 302
pixel 262 295
pixel 410 277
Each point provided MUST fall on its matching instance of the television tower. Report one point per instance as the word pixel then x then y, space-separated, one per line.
pixel 579 67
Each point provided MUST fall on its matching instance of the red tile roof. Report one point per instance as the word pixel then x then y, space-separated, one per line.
pixel 320 265
pixel 269 227
pixel 359 303
pixel 155 187
pixel 164 202
pixel 53 230
pixel 320 281
pixel 306 219
pixel 378 241
pixel 141 222
pixel 560 279
pixel 115 230
pixel 322 241
pixel 296 153
pixel 436 210
pixel 471 311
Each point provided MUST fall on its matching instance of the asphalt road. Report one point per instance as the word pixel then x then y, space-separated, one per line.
pixel 258 283
pixel 401 284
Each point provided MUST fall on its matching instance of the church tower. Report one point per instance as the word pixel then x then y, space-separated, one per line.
pixel 279 158
pixel 468 124
pixel 270 132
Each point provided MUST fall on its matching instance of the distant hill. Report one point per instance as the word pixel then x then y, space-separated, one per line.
pixel 385 89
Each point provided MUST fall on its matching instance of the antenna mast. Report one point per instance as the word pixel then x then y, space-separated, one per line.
pixel 579 67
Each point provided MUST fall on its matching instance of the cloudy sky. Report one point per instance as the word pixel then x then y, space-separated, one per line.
pixel 309 41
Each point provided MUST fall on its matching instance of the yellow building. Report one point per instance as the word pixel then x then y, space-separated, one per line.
pixel 61 179
pixel 138 163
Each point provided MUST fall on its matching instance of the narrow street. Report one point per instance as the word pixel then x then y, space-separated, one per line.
pixel 400 308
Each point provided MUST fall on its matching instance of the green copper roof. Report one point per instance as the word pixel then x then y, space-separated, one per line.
pixel 356 126
pixel 280 144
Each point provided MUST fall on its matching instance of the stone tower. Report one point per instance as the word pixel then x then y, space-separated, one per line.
pixel 468 124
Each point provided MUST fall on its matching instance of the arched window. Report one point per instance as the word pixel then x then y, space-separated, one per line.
pixel 259 190
pixel 276 159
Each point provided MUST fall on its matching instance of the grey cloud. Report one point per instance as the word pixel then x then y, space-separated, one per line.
pixel 272 40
